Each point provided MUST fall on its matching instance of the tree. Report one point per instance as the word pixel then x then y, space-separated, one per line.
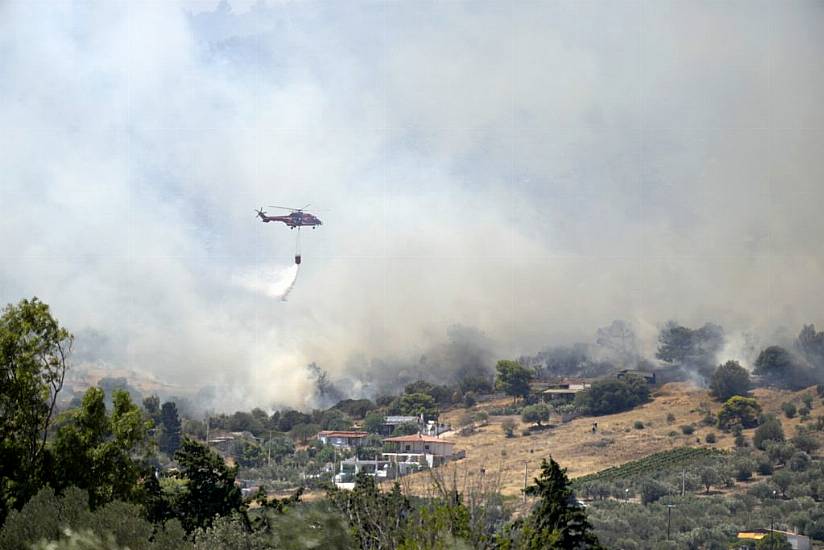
pixel 740 411
pixel 169 440
pixel 769 430
pixel 556 521
pixel 730 379
pixel 692 349
pixel 304 432
pixel 613 395
pixel 377 518
pixel 414 404
pixel 806 441
pixel 811 345
pixel 508 426
pixel 709 477
pixel 782 479
pixel 782 369
pixel 774 541
pixel 513 379
pixel 789 409
pixel 94 451
pixel 34 352
pixel 373 422
pixel 151 405
pixel 210 490
pixel 535 413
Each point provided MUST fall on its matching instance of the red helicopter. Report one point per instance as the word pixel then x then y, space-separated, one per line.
pixel 297 218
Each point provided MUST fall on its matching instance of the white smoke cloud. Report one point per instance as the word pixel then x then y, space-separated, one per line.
pixel 532 169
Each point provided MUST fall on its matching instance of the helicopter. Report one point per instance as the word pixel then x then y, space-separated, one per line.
pixel 297 218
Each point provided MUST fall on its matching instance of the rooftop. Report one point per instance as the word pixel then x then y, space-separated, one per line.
pixel 333 433
pixel 418 437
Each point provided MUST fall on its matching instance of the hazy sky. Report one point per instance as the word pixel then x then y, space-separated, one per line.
pixel 532 169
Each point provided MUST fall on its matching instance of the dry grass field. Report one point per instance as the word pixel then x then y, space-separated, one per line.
pixel 581 451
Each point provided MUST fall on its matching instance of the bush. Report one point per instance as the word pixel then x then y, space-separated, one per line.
pixel 670 418
pixel 764 467
pixel 789 409
pixel 807 399
pixel 482 418
pixel 710 438
pixel 804 413
pixel 638 425
pixel 687 429
pixel 526 432
pixel 469 399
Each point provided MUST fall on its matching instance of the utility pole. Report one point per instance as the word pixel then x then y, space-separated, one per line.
pixel 269 450
pixel 525 474
pixel 207 428
pixel 669 519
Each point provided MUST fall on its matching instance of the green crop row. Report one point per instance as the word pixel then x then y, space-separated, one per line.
pixel 664 460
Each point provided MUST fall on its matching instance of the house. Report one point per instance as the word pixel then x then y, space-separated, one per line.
pixel 563 391
pixel 341 439
pixel 648 377
pixel 751 537
pixel 418 448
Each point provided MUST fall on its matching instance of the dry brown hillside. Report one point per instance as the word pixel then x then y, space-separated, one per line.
pixel 575 447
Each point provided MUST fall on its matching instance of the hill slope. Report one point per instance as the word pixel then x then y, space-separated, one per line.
pixel 615 442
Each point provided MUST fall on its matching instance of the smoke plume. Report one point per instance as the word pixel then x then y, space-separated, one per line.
pixel 530 169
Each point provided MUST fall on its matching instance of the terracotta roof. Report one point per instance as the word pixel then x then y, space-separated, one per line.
pixel 418 437
pixel 332 433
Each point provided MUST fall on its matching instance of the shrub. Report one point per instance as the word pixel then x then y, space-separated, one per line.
pixel 764 467
pixel 740 440
pixel 670 418
pixel 638 425
pixel 807 399
pixel 526 432
pixel 804 413
pixel 789 409
pixel 482 417
pixel 673 434
pixel 687 429
pixel 710 438
pixel 469 399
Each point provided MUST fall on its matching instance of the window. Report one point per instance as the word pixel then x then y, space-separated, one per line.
pixel 426 447
pixel 407 447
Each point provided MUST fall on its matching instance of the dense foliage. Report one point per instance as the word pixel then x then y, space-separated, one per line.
pixel 613 395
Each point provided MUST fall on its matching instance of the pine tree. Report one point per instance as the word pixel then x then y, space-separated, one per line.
pixel 169 440
pixel 556 520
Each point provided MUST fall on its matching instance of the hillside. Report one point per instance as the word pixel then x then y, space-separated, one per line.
pixel 615 442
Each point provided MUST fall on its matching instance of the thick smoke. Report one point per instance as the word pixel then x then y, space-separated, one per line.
pixel 533 170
